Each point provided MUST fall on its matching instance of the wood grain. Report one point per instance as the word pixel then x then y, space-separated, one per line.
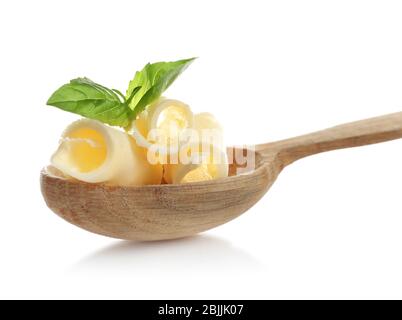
pixel 159 212
pixel 354 134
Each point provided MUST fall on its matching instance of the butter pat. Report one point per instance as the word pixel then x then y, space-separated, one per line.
pixel 162 125
pixel 95 153
pixel 200 165
pixel 209 148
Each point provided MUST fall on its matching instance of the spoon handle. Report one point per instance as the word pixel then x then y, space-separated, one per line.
pixel 354 134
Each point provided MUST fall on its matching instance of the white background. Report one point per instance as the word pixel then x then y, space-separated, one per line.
pixel 331 225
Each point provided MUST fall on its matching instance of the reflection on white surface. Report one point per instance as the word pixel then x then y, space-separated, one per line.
pixel 195 254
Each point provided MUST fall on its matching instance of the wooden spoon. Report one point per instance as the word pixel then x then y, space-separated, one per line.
pixel 159 212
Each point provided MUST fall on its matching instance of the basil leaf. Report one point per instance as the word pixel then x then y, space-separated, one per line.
pixel 132 95
pixel 153 79
pixel 89 99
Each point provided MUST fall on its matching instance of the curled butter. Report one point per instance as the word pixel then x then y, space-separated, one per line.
pixel 198 165
pixel 163 124
pixel 208 159
pixel 93 152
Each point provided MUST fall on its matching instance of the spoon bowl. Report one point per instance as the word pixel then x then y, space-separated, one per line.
pixel 161 212
pixel 155 212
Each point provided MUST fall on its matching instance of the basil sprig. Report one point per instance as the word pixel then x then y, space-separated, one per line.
pixel 94 101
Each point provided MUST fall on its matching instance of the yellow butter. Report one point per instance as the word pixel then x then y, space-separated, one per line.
pixel 200 165
pixel 210 144
pixel 93 152
pixel 162 125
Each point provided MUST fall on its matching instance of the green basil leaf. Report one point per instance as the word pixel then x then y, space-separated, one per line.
pixel 91 100
pixel 153 80
pixel 132 95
